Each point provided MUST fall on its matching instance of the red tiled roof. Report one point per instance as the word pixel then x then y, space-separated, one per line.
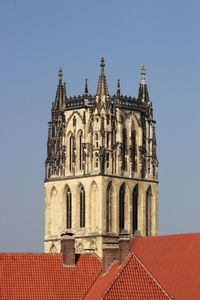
pixel 129 281
pixel 134 282
pixel 174 261
pixel 42 276
pixel 157 265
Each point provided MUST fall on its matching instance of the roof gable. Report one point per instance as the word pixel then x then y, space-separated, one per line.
pixel 174 261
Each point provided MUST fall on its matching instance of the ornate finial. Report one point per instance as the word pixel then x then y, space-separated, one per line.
pixel 143 73
pixel 60 75
pixel 102 65
pixel 86 87
pixel 102 89
pixel 118 87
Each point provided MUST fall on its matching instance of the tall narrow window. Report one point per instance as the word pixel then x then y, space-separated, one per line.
pixel 108 138
pixel 149 129
pixel 96 160
pixel 96 140
pixel 71 152
pixel 68 208
pixel 124 147
pixel 107 159
pixel 148 165
pixel 108 120
pixel 135 209
pixel 133 154
pixel 121 206
pixel 148 211
pixel 148 149
pixel 80 151
pixel 109 194
pixel 82 207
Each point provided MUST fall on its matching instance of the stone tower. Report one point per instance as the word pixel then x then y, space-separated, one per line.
pixel 101 175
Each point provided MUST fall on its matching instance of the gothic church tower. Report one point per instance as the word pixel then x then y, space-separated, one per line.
pixel 101 175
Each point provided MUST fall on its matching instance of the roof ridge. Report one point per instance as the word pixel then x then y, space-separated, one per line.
pixel 139 261
pixel 128 258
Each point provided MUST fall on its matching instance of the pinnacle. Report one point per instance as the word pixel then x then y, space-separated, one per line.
pixel 102 89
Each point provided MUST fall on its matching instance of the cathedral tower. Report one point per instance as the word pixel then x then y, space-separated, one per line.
pixel 101 176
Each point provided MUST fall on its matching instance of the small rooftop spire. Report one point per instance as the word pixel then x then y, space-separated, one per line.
pixel 86 87
pixel 143 91
pixel 118 87
pixel 60 74
pixel 102 65
pixel 143 73
pixel 102 89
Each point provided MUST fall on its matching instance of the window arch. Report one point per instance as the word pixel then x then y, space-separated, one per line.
pixel 68 208
pixel 109 200
pixel 124 147
pixel 121 206
pixel 82 206
pixel 148 211
pixel 135 210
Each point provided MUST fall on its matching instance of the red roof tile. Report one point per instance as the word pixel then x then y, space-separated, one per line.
pixel 174 261
pixel 129 281
pixel 42 276
pixel 134 282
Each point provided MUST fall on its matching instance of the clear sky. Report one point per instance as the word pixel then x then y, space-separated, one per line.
pixel 37 37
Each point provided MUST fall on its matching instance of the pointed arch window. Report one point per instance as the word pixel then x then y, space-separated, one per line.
pixel 133 146
pixel 80 150
pixel 71 152
pixel 148 211
pixel 109 200
pixel 135 210
pixel 82 207
pixel 124 147
pixel 68 208
pixel 121 206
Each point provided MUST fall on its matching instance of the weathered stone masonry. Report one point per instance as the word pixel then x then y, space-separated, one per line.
pixel 101 174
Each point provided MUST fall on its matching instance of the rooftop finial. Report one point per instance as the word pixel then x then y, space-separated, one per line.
pixel 102 89
pixel 118 87
pixel 102 65
pixel 86 87
pixel 143 73
pixel 60 75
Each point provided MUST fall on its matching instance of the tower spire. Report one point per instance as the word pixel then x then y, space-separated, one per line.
pixel 102 89
pixel 60 93
pixel 143 73
pixel 143 91
pixel 118 87
pixel 60 75
pixel 86 87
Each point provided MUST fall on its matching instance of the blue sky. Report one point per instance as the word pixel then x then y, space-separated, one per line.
pixel 37 37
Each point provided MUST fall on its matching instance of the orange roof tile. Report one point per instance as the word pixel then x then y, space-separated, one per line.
pixel 134 282
pixel 42 276
pixel 174 261
pixel 129 281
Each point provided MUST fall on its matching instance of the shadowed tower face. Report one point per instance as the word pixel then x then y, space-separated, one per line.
pixel 101 174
